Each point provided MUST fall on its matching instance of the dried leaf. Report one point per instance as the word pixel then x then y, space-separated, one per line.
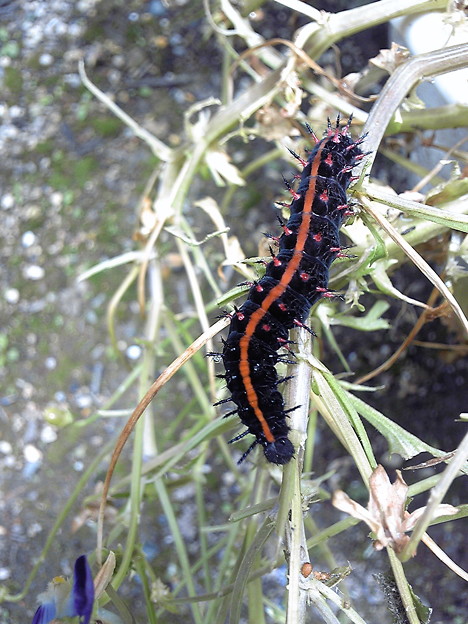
pixel 222 170
pixel 104 576
pixel 389 60
pixel 386 513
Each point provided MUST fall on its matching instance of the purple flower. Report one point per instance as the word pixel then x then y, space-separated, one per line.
pixel 62 599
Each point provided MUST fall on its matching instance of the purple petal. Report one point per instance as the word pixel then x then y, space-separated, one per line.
pixel 82 595
pixel 45 613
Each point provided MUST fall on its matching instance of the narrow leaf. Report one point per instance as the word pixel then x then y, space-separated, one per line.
pixel 399 440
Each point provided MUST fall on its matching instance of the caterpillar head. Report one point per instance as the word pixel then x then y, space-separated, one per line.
pixel 280 451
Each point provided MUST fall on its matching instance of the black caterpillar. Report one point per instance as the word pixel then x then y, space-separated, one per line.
pixel 295 279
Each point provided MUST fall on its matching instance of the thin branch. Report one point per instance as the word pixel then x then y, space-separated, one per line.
pixel 402 81
pixel 302 7
pixel 158 148
pixel 440 554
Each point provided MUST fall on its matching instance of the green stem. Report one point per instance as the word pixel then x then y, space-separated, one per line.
pixel 403 588
pixel 169 513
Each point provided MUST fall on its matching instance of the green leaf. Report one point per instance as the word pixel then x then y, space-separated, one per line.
pixel 372 321
pixel 384 284
pixel 450 191
pixel 232 294
pixel 380 250
pixel 245 566
pixel 423 612
pixel 399 440
pixel 337 575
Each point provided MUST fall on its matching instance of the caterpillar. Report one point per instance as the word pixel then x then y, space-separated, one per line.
pixel 295 279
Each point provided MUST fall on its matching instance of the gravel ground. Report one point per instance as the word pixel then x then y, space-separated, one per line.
pixel 70 183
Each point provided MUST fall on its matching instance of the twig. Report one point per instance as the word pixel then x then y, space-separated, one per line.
pixel 402 81
pixel 158 148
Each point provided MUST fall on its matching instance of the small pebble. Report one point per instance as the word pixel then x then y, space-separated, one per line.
pixel 32 454
pixel 16 111
pixel 83 401
pixel 7 201
pixel 4 574
pixel 34 529
pixel 12 295
pixel 46 59
pixel 73 80
pixel 75 30
pixel 48 435
pixel 33 272
pixel 28 239
pixel 133 352
pixel 50 363
pixel 157 8
pixel 56 199
pixel 5 447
